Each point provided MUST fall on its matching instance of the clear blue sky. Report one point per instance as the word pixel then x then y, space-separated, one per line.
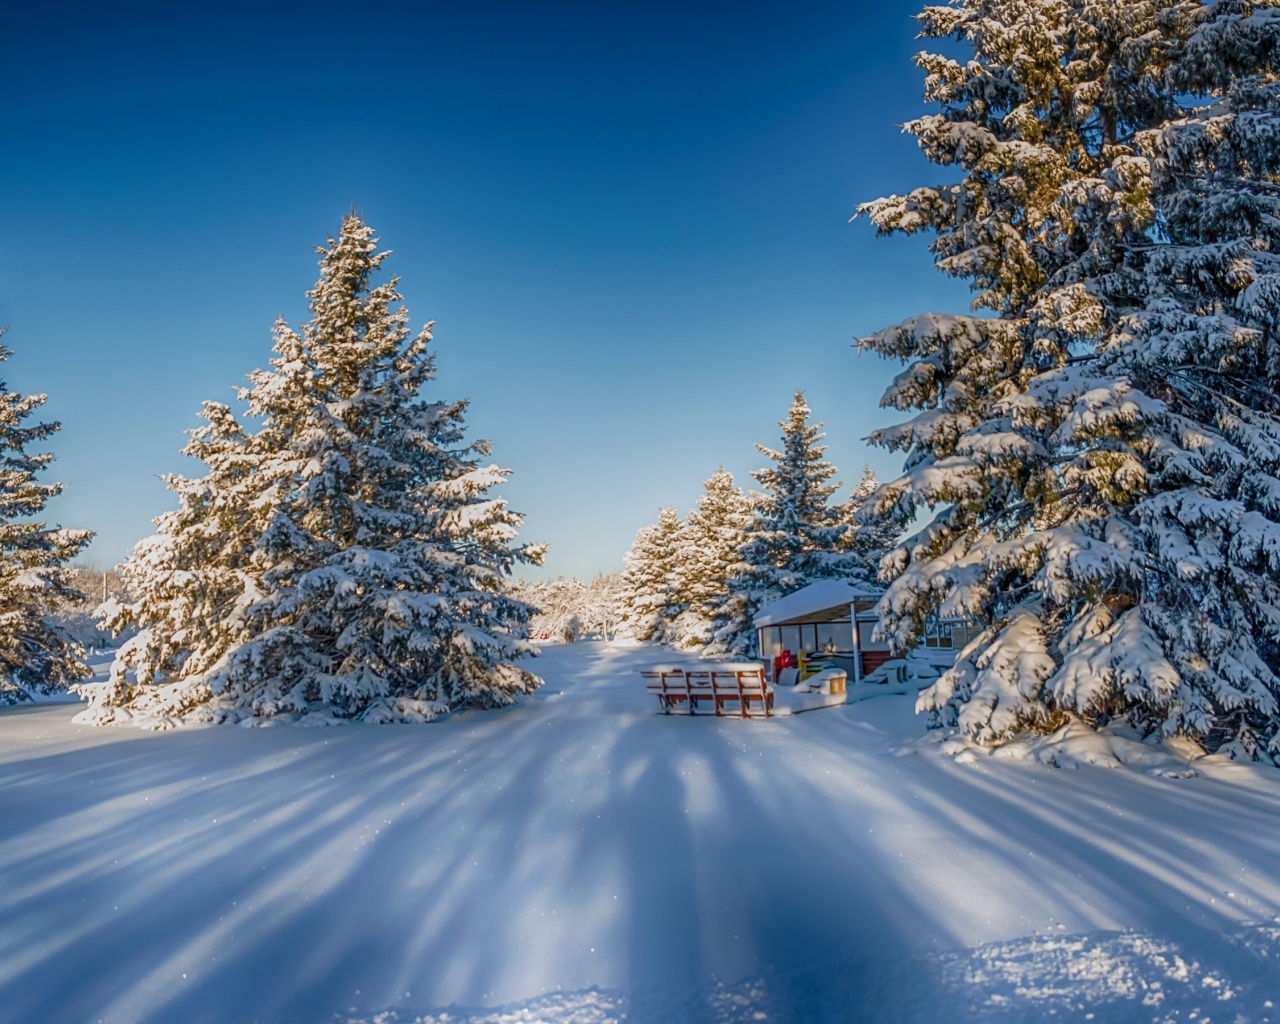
pixel 628 220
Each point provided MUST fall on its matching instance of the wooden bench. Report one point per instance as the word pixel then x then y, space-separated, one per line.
pixel 667 683
pixel 691 691
pixel 745 685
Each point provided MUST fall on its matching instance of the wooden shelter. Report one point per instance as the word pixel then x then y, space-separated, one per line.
pixel 820 620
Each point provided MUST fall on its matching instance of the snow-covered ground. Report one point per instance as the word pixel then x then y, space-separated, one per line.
pixel 579 858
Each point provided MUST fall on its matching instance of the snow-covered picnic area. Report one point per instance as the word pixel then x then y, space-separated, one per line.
pixel 581 858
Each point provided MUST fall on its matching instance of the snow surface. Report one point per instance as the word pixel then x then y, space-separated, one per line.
pixel 580 858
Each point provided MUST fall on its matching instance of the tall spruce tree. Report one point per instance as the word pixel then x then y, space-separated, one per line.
pixel 796 536
pixel 869 536
pixel 1102 450
pixel 708 553
pixel 36 654
pixel 345 559
pixel 651 581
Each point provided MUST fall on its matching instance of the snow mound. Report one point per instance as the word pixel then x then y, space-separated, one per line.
pixel 393 710
pixel 589 1007
pixel 1113 746
pixel 1123 977
pixel 868 691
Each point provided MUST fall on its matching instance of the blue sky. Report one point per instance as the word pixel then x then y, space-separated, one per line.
pixel 629 222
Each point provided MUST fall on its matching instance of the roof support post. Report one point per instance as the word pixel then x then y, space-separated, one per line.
pixel 857 644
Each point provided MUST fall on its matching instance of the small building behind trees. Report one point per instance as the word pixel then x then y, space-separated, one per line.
pixel 819 620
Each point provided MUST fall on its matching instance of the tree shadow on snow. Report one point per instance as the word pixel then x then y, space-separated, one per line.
pixel 707 869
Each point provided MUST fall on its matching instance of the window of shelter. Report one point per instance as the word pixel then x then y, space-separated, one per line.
pixel 865 641
pixel 838 635
pixel 938 634
pixel 770 643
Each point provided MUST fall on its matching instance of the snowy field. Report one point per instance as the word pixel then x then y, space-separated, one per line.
pixel 582 859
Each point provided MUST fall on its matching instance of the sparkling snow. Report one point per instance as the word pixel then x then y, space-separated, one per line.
pixel 580 859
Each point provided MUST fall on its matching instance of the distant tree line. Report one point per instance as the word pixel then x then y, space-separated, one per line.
pixel 568 609
pixel 696 583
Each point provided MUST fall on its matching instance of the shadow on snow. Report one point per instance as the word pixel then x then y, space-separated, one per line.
pixel 581 842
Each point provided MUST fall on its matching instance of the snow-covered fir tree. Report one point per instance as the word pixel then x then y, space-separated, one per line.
pixel 346 558
pixel 1102 448
pixel 869 536
pixel 796 536
pixel 652 582
pixel 708 553
pixel 37 654
pixel 193 582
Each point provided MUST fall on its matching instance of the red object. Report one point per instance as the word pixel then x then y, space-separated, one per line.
pixel 784 660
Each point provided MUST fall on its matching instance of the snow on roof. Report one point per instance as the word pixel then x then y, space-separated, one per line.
pixel 816 597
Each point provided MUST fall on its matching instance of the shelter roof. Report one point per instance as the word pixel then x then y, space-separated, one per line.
pixel 825 595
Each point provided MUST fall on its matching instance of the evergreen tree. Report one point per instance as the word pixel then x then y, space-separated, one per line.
pixel 869 536
pixel 1104 454
pixel 193 582
pixel 37 655
pixel 796 536
pixel 708 554
pixel 797 530
pixel 346 559
pixel 651 580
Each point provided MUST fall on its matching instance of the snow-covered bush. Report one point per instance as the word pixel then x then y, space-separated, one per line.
pixel 1100 444
pixel 38 654
pixel 343 556
pixel 555 607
